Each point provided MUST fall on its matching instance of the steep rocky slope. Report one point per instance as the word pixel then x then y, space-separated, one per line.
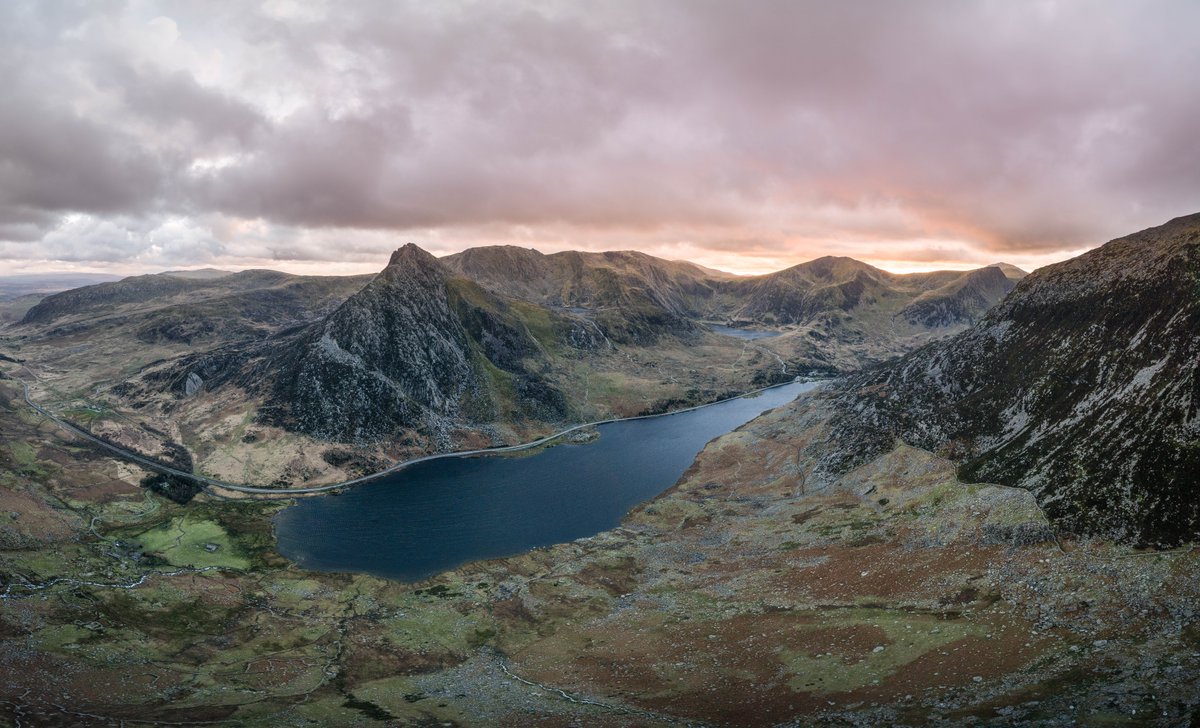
pixel 635 297
pixel 1083 386
pixel 415 348
pixel 963 300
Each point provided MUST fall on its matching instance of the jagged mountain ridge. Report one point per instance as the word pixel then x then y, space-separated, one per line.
pixel 473 341
pixel 1083 386
pixel 425 347
pixel 413 349
pixel 634 297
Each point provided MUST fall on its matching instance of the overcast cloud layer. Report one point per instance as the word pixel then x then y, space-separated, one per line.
pixel 745 135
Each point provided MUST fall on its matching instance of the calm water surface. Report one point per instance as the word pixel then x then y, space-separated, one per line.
pixel 742 333
pixel 437 515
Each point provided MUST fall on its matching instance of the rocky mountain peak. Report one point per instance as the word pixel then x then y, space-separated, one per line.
pixel 1010 270
pixel 411 257
pixel 837 267
pixel 412 349
pixel 409 252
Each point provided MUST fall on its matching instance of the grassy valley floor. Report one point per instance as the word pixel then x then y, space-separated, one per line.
pixel 896 595
pixel 219 433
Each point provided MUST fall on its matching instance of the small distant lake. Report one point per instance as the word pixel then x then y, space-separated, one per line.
pixel 437 515
pixel 742 333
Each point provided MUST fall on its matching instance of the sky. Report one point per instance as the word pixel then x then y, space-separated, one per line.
pixel 316 137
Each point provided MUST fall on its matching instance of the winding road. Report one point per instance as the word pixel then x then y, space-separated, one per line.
pixel 209 483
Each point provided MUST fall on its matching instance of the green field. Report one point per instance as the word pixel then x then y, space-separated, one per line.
pixel 185 541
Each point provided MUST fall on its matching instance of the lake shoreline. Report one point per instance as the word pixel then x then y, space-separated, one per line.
pixel 212 486
pixel 433 514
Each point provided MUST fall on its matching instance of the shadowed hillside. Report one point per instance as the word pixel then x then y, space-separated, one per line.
pixel 1082 386
pixel 416 349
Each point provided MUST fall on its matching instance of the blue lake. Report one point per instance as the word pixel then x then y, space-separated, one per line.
pixel 741 333
pixel 437 515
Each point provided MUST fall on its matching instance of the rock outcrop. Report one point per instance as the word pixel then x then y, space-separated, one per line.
pixel 415 348
pixel 961 301
pixel 1082 386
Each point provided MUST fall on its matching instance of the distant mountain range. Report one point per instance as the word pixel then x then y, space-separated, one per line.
pixel 632 280
pixel 433 345
pixel 20 292
pixel 53 281
pixel 188 309
pixel 494 335
pixel 628 280
pixel 1080 384
pixel 33 285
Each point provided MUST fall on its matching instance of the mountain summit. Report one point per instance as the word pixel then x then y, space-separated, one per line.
pixel 413 349
pixel 411 254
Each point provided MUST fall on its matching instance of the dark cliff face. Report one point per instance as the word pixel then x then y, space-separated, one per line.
pixel 961 301
pixel 1081 386
pixel 412 349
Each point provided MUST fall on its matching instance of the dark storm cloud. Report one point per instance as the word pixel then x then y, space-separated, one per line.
pixel 54 159
pixel 997 127
pixel 175 99
pixel 315 170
